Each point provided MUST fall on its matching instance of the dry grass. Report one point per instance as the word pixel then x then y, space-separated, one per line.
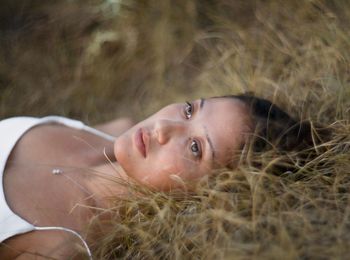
pixel 95 60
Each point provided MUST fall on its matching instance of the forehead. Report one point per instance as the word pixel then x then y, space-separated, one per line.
pixel 226 121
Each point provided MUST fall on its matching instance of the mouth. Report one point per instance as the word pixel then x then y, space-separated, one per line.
pixel 140 142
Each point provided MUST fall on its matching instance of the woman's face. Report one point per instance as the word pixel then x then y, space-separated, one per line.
pixel 185 140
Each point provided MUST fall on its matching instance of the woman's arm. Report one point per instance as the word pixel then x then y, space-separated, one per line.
pixel 116 127
pixel 39 245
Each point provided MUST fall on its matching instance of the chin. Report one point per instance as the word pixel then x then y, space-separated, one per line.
pixel 115 149
pixel 120 148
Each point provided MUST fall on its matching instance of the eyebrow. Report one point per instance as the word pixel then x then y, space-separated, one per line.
pixel 201 105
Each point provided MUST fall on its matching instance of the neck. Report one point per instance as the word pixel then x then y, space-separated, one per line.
pixel 106 182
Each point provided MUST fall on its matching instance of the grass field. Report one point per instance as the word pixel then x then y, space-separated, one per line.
pixel 95 60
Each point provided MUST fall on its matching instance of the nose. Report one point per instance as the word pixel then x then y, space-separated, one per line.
pixel 166 129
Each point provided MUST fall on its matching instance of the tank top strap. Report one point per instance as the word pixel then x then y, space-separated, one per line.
pixel 77 125
pixel 76 234
pixel 10 223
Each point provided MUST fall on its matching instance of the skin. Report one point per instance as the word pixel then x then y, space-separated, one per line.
pixel 183 141
pixel 28 177
pixel 176 145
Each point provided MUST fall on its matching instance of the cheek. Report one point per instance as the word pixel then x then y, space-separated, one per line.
pixel 180 166
pixel 166 165
pixel 168 112
pixel 157 174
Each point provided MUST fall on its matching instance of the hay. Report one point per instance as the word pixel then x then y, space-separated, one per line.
pixel 97 60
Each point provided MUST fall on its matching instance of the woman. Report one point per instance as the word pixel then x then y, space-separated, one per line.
pixel 51 165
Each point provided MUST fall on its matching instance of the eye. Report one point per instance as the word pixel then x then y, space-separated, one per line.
pixel 196 149
pixel 188 110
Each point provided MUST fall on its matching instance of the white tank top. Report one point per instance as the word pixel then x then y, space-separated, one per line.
pixel 11 130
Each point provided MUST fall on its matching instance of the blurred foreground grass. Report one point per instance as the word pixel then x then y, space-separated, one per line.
pixel 96 60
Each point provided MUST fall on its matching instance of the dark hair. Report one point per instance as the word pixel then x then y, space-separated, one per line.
pixel 275 130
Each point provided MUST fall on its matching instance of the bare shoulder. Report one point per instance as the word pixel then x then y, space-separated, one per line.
pixel 117 126
pixel 40 245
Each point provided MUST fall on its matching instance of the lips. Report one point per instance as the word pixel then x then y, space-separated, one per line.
pixel 140 142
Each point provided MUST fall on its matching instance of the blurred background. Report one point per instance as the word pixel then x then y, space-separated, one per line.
pixel 96 60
